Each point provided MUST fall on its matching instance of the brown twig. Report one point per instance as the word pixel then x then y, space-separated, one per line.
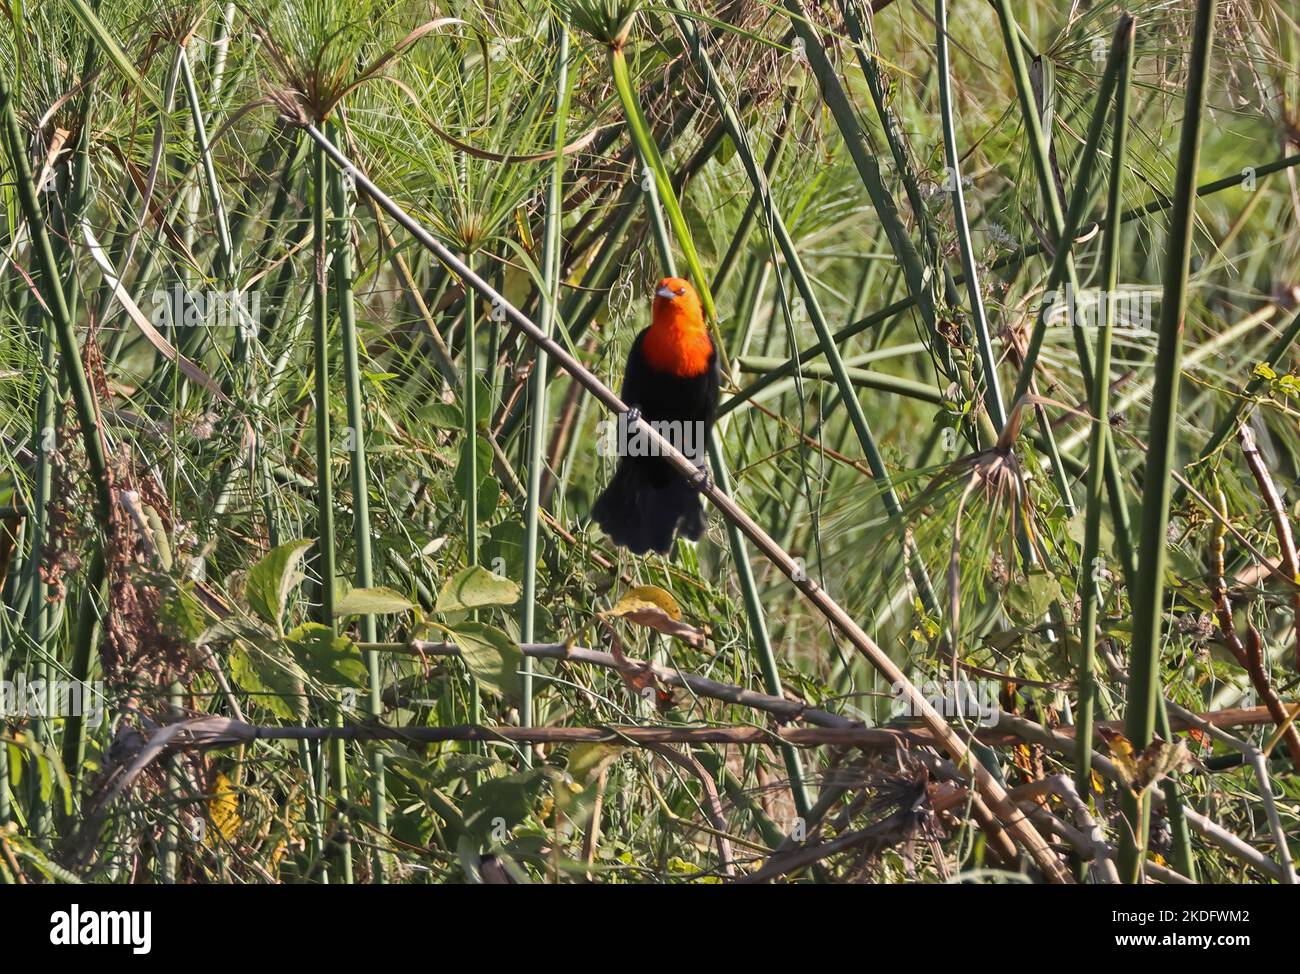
pixel 712 803
pixel 1249 654
pixel 1281 524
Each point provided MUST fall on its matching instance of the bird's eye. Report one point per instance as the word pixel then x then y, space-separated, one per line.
pixel 679 291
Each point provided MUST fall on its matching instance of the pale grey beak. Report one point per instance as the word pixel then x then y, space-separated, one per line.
pixel 665 292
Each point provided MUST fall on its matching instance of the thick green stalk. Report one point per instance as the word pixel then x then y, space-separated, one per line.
pixel 1063 226
pixel 741 235
pixel 758 629
pixel 1148 595
pixel 93 600
pixel 470 456
pixel 1088 583
pixel 325 560
pixel 175 796
pixel 537 380
pixel 920 280
pixel 745 578
pixel 342 816
pixel 1063 230
pixel 470 461
pixel 341 246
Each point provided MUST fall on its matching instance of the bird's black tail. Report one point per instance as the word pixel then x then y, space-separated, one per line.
pixel 641 508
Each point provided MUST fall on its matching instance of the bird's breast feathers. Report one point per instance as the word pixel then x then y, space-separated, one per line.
pixel 678 347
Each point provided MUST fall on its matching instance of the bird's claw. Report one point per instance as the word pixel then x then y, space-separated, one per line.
pixel 701 481
pixel 633 415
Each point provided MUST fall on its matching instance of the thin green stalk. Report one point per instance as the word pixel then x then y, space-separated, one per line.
pixel 215 199
pixel 1088 582
pixel 550 295
pixel 970 270
pixel 1140 712
pixel 648 150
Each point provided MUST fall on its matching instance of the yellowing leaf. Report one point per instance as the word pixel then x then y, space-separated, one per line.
pixel 1141 771
pixel 651 606
pixel 587 760
pixel 223 810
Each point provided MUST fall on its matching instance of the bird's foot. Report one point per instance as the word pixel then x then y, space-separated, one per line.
pixel 632 416
pixel 701 481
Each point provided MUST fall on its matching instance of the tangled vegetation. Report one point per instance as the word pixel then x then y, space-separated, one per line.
pixel 313 315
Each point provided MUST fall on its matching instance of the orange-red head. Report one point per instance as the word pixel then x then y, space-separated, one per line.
pixel 678 340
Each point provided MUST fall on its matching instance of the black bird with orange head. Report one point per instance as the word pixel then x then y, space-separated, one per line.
pixel 671 381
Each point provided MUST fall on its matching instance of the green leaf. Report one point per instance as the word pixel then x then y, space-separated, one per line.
pixel 272 579
pixel 489 491
pixel 442 415
pixel 183 615
pixel 15 764
pixel 1035 596
pixel 326 656
pixel 587 760
pixel 500 804
pixel 474 588
pixel 279 684
pixel 372 602
pixel 482 402
pixel 506 542
pixel 491 656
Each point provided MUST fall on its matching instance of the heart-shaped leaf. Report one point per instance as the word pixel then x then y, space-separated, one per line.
pixel 475 588
pixel 492 656
pixel 325 655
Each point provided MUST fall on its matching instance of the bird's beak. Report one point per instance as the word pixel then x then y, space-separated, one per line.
pixel 665 292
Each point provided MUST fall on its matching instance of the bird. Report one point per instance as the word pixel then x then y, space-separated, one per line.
pixel 671 381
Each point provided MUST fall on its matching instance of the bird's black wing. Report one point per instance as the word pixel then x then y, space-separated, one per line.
pixel 637 381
